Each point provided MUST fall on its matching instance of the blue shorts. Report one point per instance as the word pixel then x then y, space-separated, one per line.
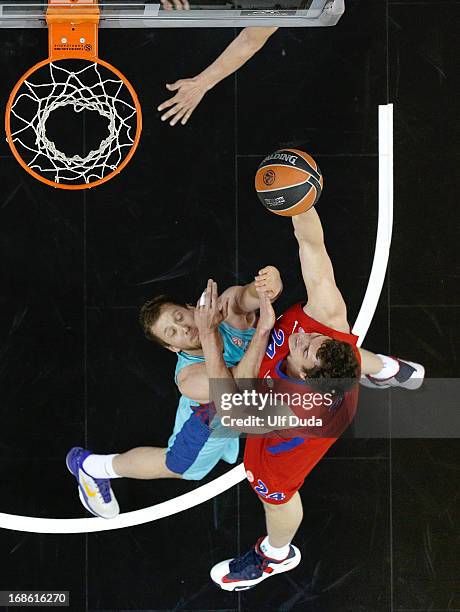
pixel 195 446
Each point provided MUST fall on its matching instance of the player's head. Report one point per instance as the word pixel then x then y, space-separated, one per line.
pixel 318 357
pixel 170 323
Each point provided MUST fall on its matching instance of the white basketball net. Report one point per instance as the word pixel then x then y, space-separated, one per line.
pixel 82 89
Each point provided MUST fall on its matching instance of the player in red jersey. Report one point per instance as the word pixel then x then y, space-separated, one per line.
pixel 311 343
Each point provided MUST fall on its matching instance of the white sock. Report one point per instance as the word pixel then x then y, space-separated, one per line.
pixel 389 369
pixel 274 553
pixel 100 466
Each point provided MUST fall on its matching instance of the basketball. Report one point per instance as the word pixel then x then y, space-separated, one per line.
pixel 289 182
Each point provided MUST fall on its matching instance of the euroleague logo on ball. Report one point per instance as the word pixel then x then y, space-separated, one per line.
pixel 88 47
pixel 288 182
pixel 269 177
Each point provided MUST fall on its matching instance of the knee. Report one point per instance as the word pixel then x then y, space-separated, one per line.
pixel 274 509
pixel 292 505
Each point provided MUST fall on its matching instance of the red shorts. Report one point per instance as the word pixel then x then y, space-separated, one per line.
pixel 277 468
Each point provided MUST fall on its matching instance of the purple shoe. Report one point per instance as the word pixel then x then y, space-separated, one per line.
pixel 95 493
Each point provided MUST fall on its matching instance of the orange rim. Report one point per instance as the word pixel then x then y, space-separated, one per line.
pixel 35 174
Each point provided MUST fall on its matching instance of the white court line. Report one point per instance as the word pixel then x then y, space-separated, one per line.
pixel 237 474
pixel 384 226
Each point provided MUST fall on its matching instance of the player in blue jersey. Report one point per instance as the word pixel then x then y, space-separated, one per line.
pixel 195 446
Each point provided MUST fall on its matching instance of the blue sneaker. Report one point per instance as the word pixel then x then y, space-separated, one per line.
pixel 95 493
pixel 252 568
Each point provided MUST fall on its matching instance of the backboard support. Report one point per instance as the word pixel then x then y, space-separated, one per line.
pixel 202 13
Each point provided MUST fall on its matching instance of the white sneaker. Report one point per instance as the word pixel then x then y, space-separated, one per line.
pixel 409 376
pixel 250 569
pixel 95 493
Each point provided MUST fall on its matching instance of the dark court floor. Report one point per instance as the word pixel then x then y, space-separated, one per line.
pixel 381 520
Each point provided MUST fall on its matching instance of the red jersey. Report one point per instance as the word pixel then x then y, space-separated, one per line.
pixel 276 466
pixel 295 320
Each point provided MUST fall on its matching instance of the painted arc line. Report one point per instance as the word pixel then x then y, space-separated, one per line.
pixel 384 226
pixel 128 519
pixel 237 474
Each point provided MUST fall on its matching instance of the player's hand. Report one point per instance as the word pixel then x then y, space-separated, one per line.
pixel 208 316
pixel 175 5
pixel 267 315
pixel 228 301
pixel 269 281
pixel 189 93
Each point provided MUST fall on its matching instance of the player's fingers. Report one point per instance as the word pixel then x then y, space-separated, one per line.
pixel 214 295
pixel 177 116
pixel 167 103
pixel 186 116
pixel 174 86
pixel 186 5
pixel 202 300
pixel 208 293
pixel 172 111
pixel 265 270
pixel 177 5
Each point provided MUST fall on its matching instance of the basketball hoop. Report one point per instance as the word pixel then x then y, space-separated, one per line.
pixel 73 76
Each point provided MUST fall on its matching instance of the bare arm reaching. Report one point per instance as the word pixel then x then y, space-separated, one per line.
pixel 190 92
pixel 325 302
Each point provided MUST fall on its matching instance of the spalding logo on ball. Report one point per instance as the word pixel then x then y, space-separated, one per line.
pixel 289 182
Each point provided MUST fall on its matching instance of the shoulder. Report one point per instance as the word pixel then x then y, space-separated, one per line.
pixel 190 372
pixel 193 382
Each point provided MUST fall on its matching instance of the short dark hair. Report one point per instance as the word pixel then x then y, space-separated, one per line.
pixel 150 313
pixel 339 366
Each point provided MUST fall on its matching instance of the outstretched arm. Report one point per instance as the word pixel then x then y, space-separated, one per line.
pixel 189 92
pixel 325 302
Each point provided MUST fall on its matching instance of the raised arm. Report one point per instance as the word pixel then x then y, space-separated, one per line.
pixel 189 92
pixel 325 302
pixel 193 381
pixel 207 319
pixel 250 363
